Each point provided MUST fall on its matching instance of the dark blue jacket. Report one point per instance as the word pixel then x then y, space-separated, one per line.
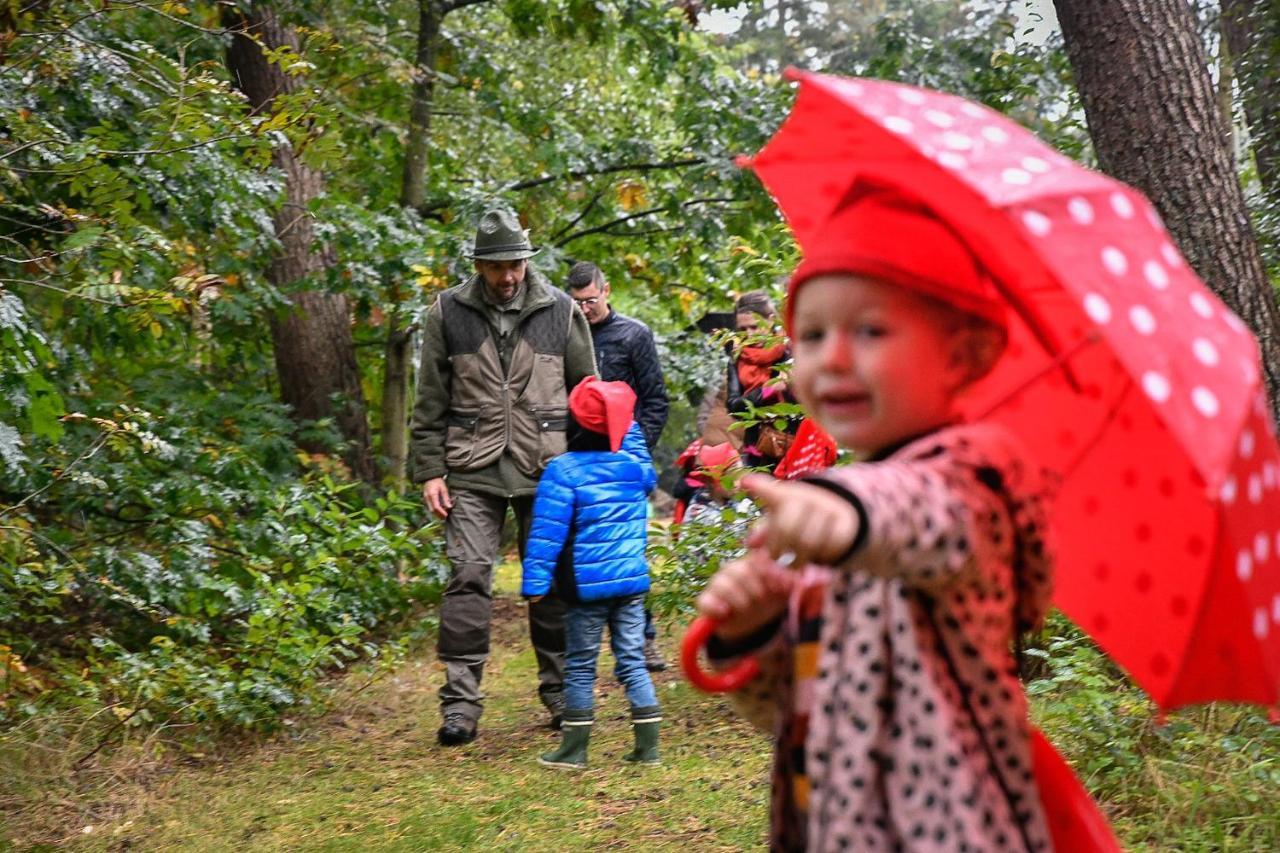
pixel 625 352
pixel 589 524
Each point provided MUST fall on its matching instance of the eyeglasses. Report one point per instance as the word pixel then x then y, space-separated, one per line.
pixel 588 302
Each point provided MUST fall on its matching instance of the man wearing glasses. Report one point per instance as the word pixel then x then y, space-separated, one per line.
pixel 625 352
pixel 499 354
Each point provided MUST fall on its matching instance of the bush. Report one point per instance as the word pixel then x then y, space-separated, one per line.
pixel 190 569
pixel 683 559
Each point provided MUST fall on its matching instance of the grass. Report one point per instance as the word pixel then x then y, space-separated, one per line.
pixel 369 776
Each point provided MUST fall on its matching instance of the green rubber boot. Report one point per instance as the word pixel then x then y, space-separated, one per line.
pixel 644 724
pixel 575 732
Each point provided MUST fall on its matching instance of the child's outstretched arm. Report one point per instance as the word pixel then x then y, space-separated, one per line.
pixel 925 518
pixel 811 523
pixel 552 512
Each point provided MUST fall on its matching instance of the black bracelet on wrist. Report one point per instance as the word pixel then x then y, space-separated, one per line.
pixel 864 523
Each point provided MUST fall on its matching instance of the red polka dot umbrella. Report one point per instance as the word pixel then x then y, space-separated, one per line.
pixel 1125 374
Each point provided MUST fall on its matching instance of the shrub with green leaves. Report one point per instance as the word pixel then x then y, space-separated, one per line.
pixel 189 568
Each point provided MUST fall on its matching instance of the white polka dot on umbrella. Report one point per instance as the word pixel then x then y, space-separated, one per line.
pixel 1143 321
pixel 1205 352
pixel 1205 401
pixel 1121 205
pixel 1228 491
pixel 898 125
pixel 1155 275
pixel 995 135
pixel 1201 305
pixel 1115 261
pixel 1035 165
pixel 1156 386
pixel 1037 223
pixel 1098 308
pixel 1080 210
pixel 938 118
pixel 1244 565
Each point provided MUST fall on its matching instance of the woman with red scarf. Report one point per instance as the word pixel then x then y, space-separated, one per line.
pixel 754 382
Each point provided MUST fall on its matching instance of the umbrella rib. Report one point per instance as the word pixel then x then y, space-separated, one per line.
pixel 1041 333
pixel 1110 417
pixel 1059 360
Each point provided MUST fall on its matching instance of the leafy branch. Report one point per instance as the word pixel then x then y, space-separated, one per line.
pixel 621 220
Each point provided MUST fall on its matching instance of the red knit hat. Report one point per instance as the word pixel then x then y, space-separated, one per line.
pixel 880 233
pixel 604 407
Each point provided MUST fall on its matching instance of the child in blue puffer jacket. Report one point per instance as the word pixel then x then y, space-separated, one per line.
pixel 588 540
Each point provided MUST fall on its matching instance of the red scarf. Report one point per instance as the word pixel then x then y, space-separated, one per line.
pixel 755 365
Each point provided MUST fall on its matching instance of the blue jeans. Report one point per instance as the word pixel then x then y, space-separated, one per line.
pixel 583 628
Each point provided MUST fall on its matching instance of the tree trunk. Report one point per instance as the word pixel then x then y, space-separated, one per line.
pixel 418 143
pixel 1155 124
pixel 314 352
pixel 396 381
pixel 398 377
pixel 1251 30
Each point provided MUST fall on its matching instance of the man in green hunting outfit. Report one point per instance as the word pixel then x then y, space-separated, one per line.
pixel 499 355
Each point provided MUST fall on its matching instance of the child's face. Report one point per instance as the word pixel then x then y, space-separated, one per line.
pixel 874 363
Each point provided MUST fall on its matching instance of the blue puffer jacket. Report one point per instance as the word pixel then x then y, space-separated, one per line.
pixel 589 524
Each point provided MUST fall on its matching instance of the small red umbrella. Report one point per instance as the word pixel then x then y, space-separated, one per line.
pixel 1124 374
pixel 813 450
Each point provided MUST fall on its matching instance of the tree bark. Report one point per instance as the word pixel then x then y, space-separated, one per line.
pixel 314 352
pixel 1156 124
pixel 398 360
pixel 396 382
pixel 1251 30
pixel 418 143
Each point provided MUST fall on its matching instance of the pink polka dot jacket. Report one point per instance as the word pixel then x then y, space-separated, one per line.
pixel 893 693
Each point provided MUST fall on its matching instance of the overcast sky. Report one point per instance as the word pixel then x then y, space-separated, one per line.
pixel 1038 16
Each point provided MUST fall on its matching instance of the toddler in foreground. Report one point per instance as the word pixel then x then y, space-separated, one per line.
pixel 884 635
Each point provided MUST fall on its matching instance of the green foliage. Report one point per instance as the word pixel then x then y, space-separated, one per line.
pixel 683 559
pixel 163 547
pixel 195 571
pixel 1203 780
pixel 165 552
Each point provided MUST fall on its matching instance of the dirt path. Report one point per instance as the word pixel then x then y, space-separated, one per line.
pixel 370 777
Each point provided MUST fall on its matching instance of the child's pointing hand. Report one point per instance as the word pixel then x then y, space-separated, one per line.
pixel 813 524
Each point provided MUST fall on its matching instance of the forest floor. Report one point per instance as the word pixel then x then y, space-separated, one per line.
pixel 370 776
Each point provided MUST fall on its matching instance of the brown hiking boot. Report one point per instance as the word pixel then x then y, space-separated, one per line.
pixel 653 659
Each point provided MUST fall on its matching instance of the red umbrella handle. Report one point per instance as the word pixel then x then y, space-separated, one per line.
pixel 700 630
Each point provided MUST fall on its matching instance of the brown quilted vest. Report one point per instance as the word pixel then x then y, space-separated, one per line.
pixel 523 410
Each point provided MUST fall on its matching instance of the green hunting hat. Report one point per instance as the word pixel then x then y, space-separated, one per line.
pixel 499 237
